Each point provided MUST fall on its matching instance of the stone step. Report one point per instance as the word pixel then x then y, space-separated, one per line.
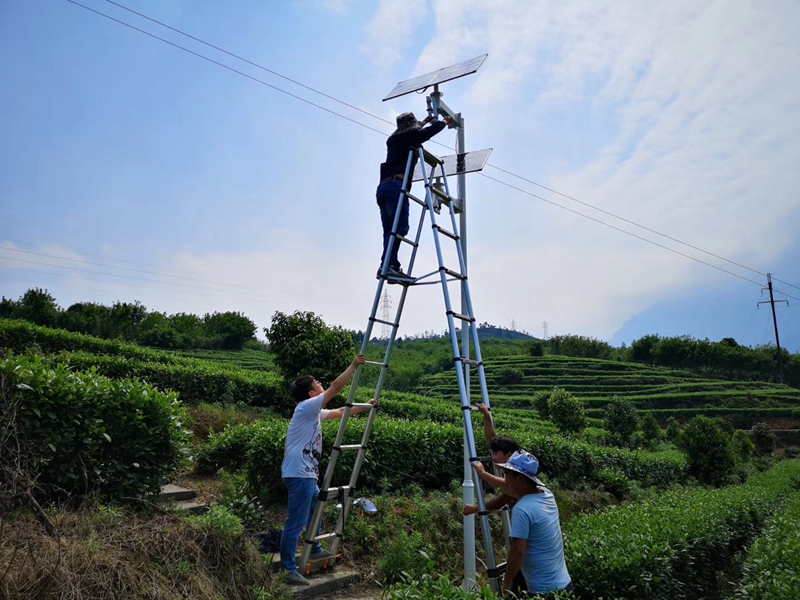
pixel 195 508
pixel 325 584
pixel 314 566
pixel 174 492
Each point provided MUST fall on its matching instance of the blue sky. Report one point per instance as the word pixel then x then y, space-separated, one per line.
pixel 137 171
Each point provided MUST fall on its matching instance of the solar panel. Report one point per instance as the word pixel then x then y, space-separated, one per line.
pixel 455 164
pixel 435 77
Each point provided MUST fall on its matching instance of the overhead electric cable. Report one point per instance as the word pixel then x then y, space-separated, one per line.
pixel 351 106
pixel 107 266
pixel 708 264
pixel 224 66
pixel 180 285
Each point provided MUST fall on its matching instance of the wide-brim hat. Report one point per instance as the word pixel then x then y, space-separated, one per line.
pixel 525 464
pixel 406 122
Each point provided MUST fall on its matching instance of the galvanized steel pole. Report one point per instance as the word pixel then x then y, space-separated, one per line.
pixel 468 486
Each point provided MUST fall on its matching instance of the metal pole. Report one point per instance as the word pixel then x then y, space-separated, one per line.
pixel 775 323
pixel 468 486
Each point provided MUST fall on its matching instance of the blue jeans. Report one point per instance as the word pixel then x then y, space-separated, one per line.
pixel 387 195
pixel 303 494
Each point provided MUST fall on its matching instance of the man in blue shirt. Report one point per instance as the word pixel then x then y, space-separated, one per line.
pixel 537 548
pixel 409 135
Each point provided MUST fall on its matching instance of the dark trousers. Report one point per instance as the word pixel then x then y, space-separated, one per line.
pixel 387 195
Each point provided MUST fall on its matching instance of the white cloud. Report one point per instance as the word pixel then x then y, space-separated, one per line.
pixel 699 104
pixel 391 29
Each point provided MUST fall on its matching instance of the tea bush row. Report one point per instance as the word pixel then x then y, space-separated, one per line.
pixel 772 567
pixel 81 432
pixel 427 453
pixel 21 337
pixel 196 382
pixel 674 545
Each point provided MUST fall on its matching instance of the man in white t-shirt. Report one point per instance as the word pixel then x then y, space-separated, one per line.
pixel 303 449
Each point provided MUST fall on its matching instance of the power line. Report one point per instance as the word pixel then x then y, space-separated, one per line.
pixel 353 107
pixel 87 262
pixel 708 264
pixel 180 285
pixel 374 116
pixel 224 66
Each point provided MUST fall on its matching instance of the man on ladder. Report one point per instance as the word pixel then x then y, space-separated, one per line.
pixel 410 134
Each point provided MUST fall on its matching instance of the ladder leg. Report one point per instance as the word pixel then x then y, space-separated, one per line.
pixel 346 497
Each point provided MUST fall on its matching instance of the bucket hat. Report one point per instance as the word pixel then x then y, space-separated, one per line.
pixel 525 464
pixel 406 122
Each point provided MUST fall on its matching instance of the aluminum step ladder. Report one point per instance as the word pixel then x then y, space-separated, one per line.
pixel 437 194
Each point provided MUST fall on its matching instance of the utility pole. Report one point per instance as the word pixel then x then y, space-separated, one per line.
pixel 772 302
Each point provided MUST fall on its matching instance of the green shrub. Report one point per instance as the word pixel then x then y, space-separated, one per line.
pixel 673 429
pixel 431 587
pixel 708 450
pixel 221 521
pixel 614 482
pixel 566 411
pixel 88 433
pixel 21 337
pixel 763 438
pixel 510 376
pixel 772 567
pixel 403 554
pixel 541 402
pixel 426 452
pixel 535 348
pixel 620 418
pixel 650 429
pixel 303 344
pixel 743 446
pixel 196 381
pixel 675 545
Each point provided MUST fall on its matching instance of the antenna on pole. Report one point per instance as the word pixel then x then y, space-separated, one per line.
pixel 460 164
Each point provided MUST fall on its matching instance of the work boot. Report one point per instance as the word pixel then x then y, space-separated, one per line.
pixel 321 555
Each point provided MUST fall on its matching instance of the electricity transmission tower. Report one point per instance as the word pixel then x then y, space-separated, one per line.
pixel 386 305
pixel 544 330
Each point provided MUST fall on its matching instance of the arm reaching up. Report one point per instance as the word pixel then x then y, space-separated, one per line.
pixel 343 379
pixel 488 424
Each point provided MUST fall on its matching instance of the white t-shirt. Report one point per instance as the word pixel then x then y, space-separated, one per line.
pixel 303 447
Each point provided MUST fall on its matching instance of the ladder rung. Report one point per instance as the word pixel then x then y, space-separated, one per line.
pixel 414 198
pixel 323 537
pixel 440 193
pixel 362 405
pixel 453 273
pixel 406 240
pixel 469 361
pixel 351 446
pixel 460 316
pixel 376 363
pixel 444 232
pixel 382 322
pixel 335 492
pixel 497 571
pixel 431 159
